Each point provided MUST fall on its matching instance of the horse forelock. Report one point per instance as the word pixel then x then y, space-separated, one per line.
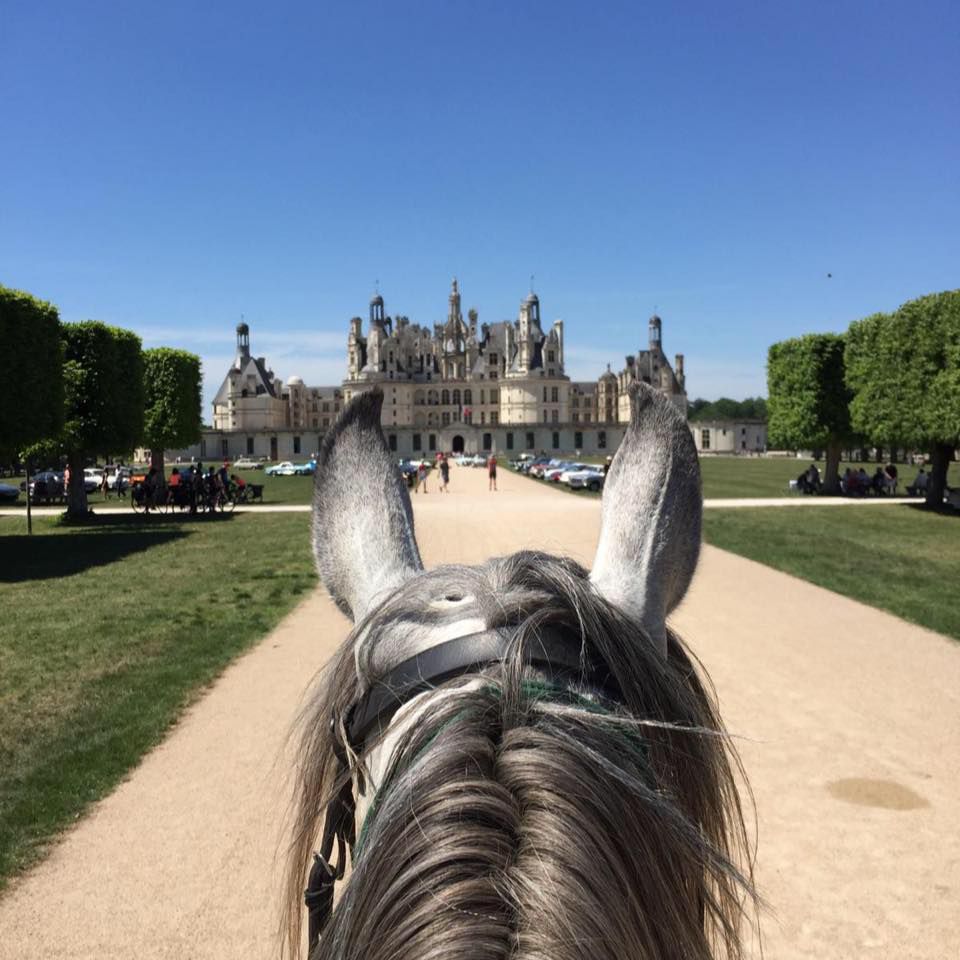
pixel 500 789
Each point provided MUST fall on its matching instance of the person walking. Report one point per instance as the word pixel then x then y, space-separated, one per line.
pixel 104 484
pixel 421 477
pixel 444 475
pixel 492 472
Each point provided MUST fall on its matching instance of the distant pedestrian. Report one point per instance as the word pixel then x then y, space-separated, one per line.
pixel 492 472
pixel 421 477
pixel 445 475
pixel 105 484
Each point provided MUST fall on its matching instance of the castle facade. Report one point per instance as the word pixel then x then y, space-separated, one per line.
pixel 459 385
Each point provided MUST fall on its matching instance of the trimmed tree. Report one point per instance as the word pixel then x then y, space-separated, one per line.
pixel 808 399
pixel 172 386
pixel 103 376
pixel 30 336
pixel 904 370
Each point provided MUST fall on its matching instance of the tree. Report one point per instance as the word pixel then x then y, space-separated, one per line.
pixel 808 399
pixel 103 376
pixel 172 387
pixel 904 371
pixel 30 336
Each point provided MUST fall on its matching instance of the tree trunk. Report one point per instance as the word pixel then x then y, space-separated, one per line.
pixel 939 464
pixel 156 461
pixel 77 491
pixel 831 470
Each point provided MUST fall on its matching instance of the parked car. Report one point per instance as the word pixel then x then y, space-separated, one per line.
pixel 284 469
pixel 569 468
pixel 247 463
pixel 305 469
pixel 45 486
pixel 92 478
pixel 8 493
pixel 590 479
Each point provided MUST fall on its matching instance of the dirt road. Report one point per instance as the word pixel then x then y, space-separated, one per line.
pixel 850 720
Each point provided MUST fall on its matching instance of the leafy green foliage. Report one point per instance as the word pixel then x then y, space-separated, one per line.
pixel 808 403
pixel 30 339
pixel 172 393
pixel 904 370
pixel 103 376
pixel 753 408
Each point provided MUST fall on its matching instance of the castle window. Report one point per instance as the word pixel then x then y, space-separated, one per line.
pixel 586 418
pixel 418 398
pixel 392 441
pixel 483 417
pixel 249 446
pixel 493 359
pixel 493 374
pixel 575 402
pixel 296 444
pixel 432 442
pixel 481 397
pixel 602 439
pixel 468 396
pixel 456 396
pixel 432 398
pixel 555 416
pixel 575 417
pixel 705 439
pixel 445 418
pixel 494 396
pixel 417 441
pixel 546 418
pixel 530 440
pixel 314 423
pixel 487 441
pixel 550 372
pixel 509 441
pixel 445 397
pixel 544 394
pixel 554 394
pixel 326 421
pixel 549 356
pixel 556 440
pixel 578 440
pixel 494 418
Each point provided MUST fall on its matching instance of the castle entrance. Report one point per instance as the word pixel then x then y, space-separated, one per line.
pixel 458 444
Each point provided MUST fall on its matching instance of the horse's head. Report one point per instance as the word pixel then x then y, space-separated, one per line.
pixel 559 787
pixel 365 546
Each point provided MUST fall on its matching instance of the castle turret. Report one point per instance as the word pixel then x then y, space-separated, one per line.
pixel 678 371
pixel 654 328
pixel 243 345
pixel 376 310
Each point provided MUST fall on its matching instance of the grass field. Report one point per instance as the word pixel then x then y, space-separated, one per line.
pixel 903 559
pixel 108 633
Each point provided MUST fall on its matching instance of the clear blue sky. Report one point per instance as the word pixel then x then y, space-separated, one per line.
pixel 169 167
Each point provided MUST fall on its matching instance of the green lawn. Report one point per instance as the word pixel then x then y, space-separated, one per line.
pixel 902 559
pixel 109 631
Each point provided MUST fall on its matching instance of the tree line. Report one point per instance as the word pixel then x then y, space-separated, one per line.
pixel 753 408
pixel 89 388
pixel 892 380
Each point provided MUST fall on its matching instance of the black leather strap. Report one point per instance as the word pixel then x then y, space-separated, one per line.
pixel 548 649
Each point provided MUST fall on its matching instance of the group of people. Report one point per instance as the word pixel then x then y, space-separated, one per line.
pixel 858 483
pixel 443 465
pixel 192 487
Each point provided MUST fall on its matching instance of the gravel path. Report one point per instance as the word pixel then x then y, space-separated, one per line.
pixel 850 720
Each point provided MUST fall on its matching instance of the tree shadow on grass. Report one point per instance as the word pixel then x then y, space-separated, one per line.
pixel 56 555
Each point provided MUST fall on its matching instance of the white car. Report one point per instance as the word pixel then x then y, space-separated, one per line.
pixel 285 469
pixel 247 463
pixel 591 478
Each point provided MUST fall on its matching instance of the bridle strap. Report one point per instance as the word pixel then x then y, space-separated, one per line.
pixel 549 649
pixel 560 655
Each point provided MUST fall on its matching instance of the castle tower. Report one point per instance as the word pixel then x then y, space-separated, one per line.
pixel 376 310
pixel 678 371
pixel 654 328
pixel 243 345
pixel 453 313
pixel 355 351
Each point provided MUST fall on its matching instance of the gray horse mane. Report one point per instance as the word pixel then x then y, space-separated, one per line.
pixel 521 820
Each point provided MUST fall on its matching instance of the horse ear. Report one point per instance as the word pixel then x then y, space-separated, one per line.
pixel 651 514
pixel 363 537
